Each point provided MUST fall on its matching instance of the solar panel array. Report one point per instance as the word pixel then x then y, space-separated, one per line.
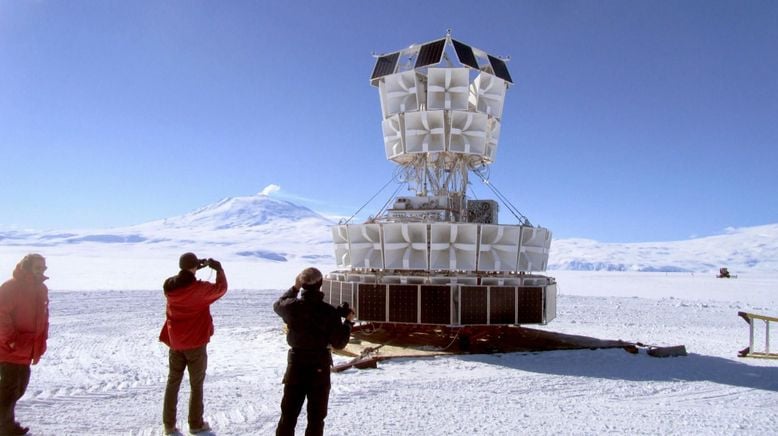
pixel 430 53
pixel 432 104
pixel 450 304
pixel 465 54
pixel 500 69
pixel 385 65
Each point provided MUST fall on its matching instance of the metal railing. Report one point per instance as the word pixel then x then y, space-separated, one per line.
pixel 750 351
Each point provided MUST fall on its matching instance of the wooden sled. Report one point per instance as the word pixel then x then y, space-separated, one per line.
pixel 373 342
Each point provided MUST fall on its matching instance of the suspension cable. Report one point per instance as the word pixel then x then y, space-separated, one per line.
pixel 391 197
pixel 391 179
pixel 511 208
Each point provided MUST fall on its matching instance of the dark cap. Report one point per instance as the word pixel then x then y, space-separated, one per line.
pixel 188 261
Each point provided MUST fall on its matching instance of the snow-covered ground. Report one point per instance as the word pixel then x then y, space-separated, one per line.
pixel 105 371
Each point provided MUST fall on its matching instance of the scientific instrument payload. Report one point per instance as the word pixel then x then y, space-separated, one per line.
pixel 438 257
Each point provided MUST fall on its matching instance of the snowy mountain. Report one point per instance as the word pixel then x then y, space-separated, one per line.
pixel 237 212
pixel 741 249
pixel 260 239
pixel 263 241
pixel 234 223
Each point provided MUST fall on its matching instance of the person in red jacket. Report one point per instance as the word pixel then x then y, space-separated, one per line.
pixel 24 328
pixel 188 329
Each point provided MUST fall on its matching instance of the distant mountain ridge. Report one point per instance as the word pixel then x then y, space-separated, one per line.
pixel 256 226
pixel 271 230
pixel 739 249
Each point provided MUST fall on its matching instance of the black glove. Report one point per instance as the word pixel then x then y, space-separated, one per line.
pixel 290 293
pixel 215 264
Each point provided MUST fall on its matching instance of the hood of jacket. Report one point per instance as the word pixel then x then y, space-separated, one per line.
pixel 311 295
pixel 26 276
pixel 183 279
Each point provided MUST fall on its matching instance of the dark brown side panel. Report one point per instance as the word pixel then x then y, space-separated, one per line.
pixel 436 304
pixel 530 305
pixel 403 303
pixel 502 304
pixel 473 305
pixel 372 302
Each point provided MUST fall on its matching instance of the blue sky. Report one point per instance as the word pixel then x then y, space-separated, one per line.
pixel 628 121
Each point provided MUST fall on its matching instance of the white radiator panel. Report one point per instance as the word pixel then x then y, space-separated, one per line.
pixel 488 94
pixel 400 93
pixel 492 138
pixel 393 136
pixel 405 246
pixel 448 88
pixel 340 240
pixel 425 132
pixel 453 246
pixel 499 248
pixel 468 133
pixel 535 246
pixel 365 245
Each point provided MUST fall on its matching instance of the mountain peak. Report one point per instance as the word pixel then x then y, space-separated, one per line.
pixel 246 211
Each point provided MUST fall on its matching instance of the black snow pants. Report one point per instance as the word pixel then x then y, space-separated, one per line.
pixel 309 379
pixel 14 379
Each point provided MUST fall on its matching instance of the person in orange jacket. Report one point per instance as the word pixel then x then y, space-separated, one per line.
pixel 24 328
pixel 188 329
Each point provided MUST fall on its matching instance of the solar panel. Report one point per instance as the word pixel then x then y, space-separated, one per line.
pixel 385 65
pixel 347 291
pixel 430 53
pixel 403 303
pixel 436 304
pixel 473 305
pixel 502 305
pixel 372 302
pixel 326 289
pixel 500 69
pixel 465 54
pixel 530 305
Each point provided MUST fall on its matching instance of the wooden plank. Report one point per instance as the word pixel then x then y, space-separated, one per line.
pixel 673 351
pixel 762 355
pixel 747 315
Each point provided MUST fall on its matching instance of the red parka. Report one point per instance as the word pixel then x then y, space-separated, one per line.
pixel 24 318
pixel 188 322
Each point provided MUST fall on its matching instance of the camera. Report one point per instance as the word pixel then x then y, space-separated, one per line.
pixel 202 263
pixel 344 309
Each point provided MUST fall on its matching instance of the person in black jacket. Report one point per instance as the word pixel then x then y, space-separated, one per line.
pixel 313 327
